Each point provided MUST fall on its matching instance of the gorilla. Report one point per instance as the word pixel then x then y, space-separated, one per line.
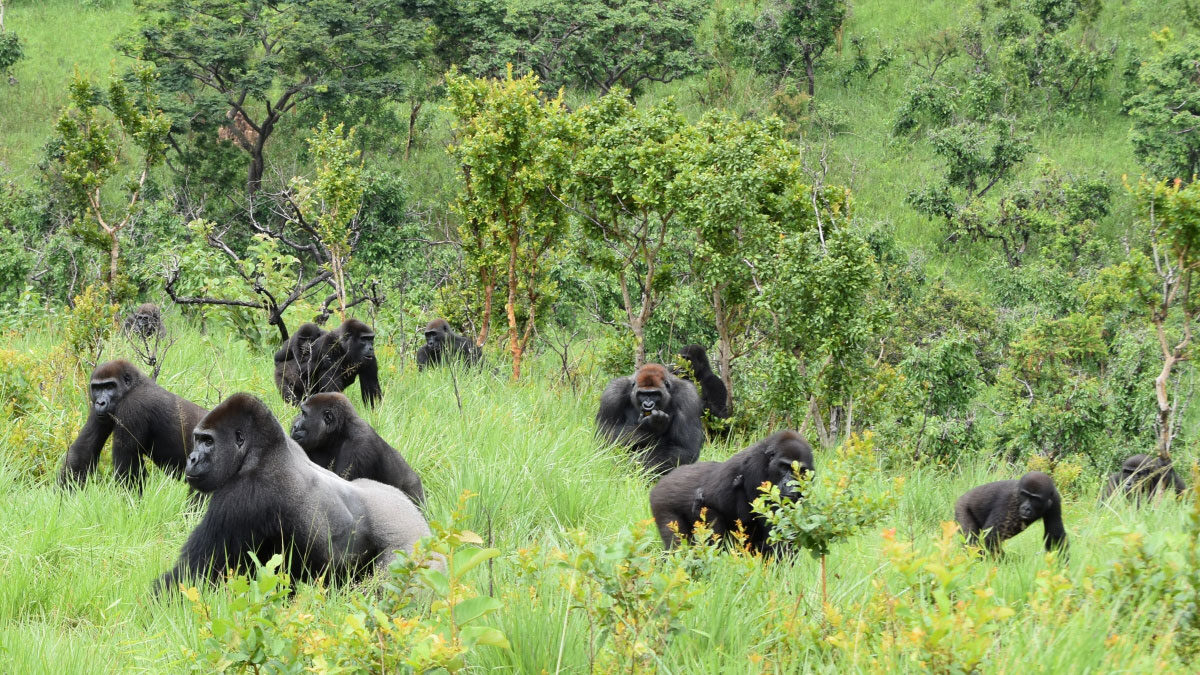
pixel 1143 477
pixel 712 389
pixel 266 497
pixel 724 490
pixel 315 361
pixel 144 420
pixel 996 511
pixel 145 322
pixel 443 345
pixel 335 437
pixel 656 414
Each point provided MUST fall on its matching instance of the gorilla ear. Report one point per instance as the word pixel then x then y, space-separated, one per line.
pixel 328 417
pixel 128 378
pixel 769 451
pixel 238 438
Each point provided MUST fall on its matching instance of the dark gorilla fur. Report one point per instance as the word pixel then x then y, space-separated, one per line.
pixel 315 361
pixel 335 437
pixel 145 321
pixel 724 490
pixel 656 414
pixel 443 345
pixel 1143 477
pixel 144 420
pixel 1003 509
pixel 268 498
pixel 712 389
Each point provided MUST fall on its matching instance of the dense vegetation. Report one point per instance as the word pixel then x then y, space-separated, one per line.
pixel 949 241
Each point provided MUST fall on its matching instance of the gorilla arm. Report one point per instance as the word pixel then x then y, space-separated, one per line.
pixel 368 383
pixel 84 453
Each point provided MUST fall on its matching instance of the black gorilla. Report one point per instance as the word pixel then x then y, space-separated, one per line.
pixel 999 510
pixel 654 413
pixel 144 420
pixel 315 361
pixel 1143 477
pixel 724 490
pixel 712 389
pixel 268 498
pixel 145 321
pixel 335 437
pixel 443 345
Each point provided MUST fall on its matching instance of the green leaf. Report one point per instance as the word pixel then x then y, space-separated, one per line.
pixel 473 608
pixel 473 636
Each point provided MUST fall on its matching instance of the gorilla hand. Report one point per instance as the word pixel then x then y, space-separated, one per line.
pixel 655 421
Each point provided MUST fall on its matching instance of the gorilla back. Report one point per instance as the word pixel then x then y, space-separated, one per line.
pixel 655 414
pixel 143 419
pixel 268 498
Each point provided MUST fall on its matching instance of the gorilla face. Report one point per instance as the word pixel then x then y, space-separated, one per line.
pixel 434 338
pixel 216 456
pixel 360 346
pixel 1036 496
pixel 107 392
pixel 790 450
pixel 651 390
pixel 313 424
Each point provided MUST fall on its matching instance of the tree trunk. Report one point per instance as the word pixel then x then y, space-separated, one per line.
pixel 635 324
pixel 412 125
pixel 1164 407
pixel 255 173
pixel 114 253
pixel 514 345
pixel 808 70
pixel 724 347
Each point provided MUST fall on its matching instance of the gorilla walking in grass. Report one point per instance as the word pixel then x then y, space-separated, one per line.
pixel 335 437
pixel 1142 477
pixel 268 498
pixel 654 413
pixel 722 492
pixel 994 512
pixel 144 420
pixel 314 361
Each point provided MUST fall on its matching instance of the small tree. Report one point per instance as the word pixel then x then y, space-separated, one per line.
pixel 1166 109
pixel 790 33
pixel 10 49
pixel 93 151
pixel 624 184
pixel 507 141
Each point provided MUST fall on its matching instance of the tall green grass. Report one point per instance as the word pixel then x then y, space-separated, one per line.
pixel 76 568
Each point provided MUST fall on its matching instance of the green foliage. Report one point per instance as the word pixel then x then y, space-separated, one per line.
pixel 509 145
pixel 330 202
pixel 790 34
pixel 91 151
pixel 262 628
pixel 636 603
pixel 1164 107
pixel 10 52
pixel 87 327
pixel 840 501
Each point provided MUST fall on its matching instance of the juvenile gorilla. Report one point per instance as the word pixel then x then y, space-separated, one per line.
pixel 145 321
pixel 656 414
pixel 336 438
pixel 268 498
pixel 712 389
pixel 1003 509
pixel 315 361
pixel 724 490
pixel 1143 477
pixel 143 419
pixel 443 345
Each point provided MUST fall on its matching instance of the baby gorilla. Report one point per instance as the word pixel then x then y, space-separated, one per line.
pixel 1003 509
pixel 335 437
pixel 724 490
pixel 1143 477
pixel 268 498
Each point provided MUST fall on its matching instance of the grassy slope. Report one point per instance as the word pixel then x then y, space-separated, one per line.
pixel 77 568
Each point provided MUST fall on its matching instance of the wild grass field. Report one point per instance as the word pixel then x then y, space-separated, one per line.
pixel 77 568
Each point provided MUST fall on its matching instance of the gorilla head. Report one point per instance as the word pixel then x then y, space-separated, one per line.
pixel 358 341
pixel 651 392
pixel 437 333
pixel 1142 477
pixel 223 441
pixel 787 448
pixel 319 420
pixel 656 414
pixel 110 383
pixel 1038 496
pixel 314 361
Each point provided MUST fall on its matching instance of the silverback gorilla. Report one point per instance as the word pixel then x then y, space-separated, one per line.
pixel 315 361
pixel 656 414
pixel 1003 509
pixel 443 345
pixel 724 490
pixel 1143 477
pixel 335 437
pixel 144 420
pixel 268 498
